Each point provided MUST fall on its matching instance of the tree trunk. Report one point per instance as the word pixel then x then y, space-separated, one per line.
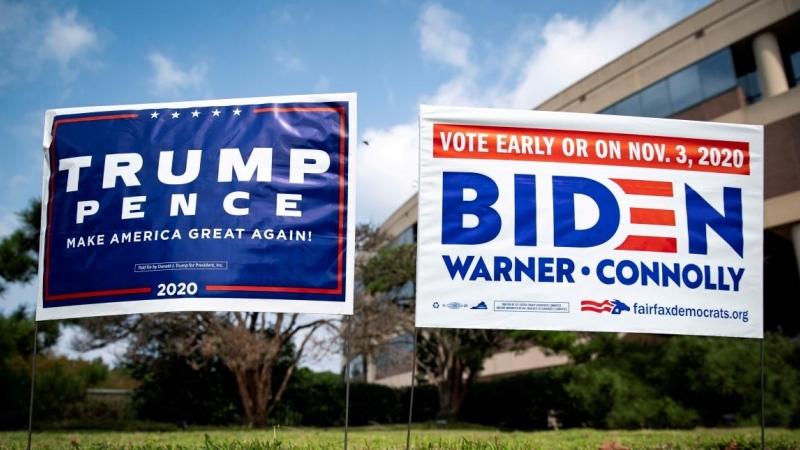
pixel 371 372
pixel 452 390
pixel 244 393
pixel 260 403
pixel 254 393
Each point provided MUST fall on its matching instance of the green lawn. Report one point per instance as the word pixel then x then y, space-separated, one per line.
pixel 394 437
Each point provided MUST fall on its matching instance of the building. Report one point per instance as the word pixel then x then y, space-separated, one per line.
pixel 734 61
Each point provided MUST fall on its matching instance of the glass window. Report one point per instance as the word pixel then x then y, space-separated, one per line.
pixel 750 86
pixel 795 61
pixel 684 88
pixel 610 110
pixel 406 237
pixel 631 106
pixel 692 85
pixel 716 73
pixel 655 100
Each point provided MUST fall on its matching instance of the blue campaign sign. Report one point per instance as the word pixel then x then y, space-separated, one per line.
pixel 232 205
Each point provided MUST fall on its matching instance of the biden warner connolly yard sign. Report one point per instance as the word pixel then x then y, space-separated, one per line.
pixel 556 221
pixel 232 205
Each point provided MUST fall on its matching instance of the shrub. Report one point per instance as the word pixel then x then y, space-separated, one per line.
pixel 426 403
pixel 527 400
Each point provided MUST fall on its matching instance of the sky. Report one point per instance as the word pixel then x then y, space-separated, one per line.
pixel 395 55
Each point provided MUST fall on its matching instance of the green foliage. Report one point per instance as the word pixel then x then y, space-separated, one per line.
pixel 661 382
pixel 551 341
pixel 317 397
pixel 373 404
pixel 426 403
pixel 16 349
pixel 719 376
pixel 390 268
pixel 526 400
pixel 608 398
pixel 19 251
pixel 172 391
pixel 61 385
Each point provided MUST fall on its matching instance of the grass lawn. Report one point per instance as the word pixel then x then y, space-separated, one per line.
pixel 394 437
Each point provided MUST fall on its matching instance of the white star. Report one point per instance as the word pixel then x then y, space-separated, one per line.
pixel 154 115
pixel 195 113
pixel 237 112
pixel 175 115
pixel 215 112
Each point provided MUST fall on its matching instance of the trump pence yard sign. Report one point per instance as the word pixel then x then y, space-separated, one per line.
pixel 243 205
pixel 556 221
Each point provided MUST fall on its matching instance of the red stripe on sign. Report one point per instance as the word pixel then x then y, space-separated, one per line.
pixel 300 290
pixel 144 290
pixel 597 310
pixel 595 304
pixel 644 187
pixel 650 244
pixel 647 216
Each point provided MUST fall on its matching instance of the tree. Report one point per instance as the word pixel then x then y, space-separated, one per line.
pixel 378 320
pixel 450 359
pixel 19 251
pixel 250 345
pixel 16 350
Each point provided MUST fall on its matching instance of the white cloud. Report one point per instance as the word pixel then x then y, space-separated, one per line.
pixel 571 49
pixel 17 181
pixel 440 39
pixel 8 223
pixel 388 169
pixel 31 36
pixel 66 39
pixel 322 84
pixel 12 14
pixel 168 77
pixel 283 14
pixel 536 62
pixel 290 62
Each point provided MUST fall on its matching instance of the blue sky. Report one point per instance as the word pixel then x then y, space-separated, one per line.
pixel 394 54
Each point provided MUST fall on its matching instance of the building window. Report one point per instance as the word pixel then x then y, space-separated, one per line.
pixel 717 74
pixel 750 87
pixel 610 110
pixel 631 106
pixel 403 295
pixel 794 60
pixel 655 100
pixel 685 89
pixel 694 84
pixel 408 236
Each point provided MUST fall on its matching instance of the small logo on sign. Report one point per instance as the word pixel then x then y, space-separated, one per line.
pixel 436 305
pixel 480 305
pixel 613 306
pixel 456 305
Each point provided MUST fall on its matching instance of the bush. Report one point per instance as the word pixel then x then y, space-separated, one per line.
pixel 317 399
pixel 171 391
pixel 373 404
pixel 426 403
pixel 526 400
pixel 611 399
pixel 722 376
